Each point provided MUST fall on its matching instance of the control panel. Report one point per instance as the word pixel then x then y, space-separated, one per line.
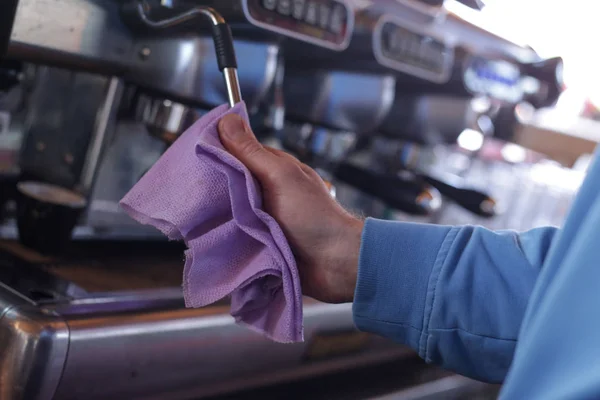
pixel 495 78
pixel 326 23
pixel 404 48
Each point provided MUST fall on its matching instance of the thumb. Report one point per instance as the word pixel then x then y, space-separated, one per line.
pixel 238 139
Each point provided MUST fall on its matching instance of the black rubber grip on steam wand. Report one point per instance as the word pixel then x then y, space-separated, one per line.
pixel 224 46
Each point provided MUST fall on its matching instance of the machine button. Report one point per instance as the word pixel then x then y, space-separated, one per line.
pixel 415 49
pixel 393 42
pixel 311 13
pixel 404 45
pixel 269 4
pixel 439 59
pixel 410 47
pixel 324 13
pixel 337 19
pixel 284 7
pixel 298 9
pixel 430 57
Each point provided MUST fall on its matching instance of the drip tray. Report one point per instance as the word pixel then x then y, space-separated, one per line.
pixel 108 320
pixel 98 267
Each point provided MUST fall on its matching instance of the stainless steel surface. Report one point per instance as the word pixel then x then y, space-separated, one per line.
pixel 165 119
pixel 207 12
pixel 324 146
pixel 104 125
pixel 341 100
pixel 480 41
pixel 33 349
pixel 148 345
pixel 192 76
pixel 65 113
pixel 87 34
pixel 359 56
pixel 232 83
pixel 429 118
pixel 131 151
pixel 437 11
pixel 457 31
pixel 170 352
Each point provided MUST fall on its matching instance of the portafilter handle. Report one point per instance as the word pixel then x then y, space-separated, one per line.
pixel 222 37
pixel 404 193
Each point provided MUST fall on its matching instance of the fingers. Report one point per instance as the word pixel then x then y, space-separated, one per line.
pixel 280 153
pixel 309 171
pixel 283 155
pixel 287 156
pixel 239 140
pixel 266 163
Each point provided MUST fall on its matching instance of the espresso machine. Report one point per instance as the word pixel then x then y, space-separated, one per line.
pixel 105 86
pixel 340 107
pixel 110 86
pixel 454 83
pixel 335 104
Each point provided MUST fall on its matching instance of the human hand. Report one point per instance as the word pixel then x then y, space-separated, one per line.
pixel 324 238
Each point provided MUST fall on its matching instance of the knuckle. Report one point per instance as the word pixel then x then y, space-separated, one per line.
pixel 288 169
pixel 282 172
pixel 250 148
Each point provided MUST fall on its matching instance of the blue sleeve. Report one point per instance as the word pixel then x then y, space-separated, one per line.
pixel 558 353
pixel 457 295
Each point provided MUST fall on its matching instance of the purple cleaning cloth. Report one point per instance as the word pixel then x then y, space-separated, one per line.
pixel 199 193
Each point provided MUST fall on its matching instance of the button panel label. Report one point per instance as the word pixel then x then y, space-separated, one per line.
pixel 406 49
pixel 327 23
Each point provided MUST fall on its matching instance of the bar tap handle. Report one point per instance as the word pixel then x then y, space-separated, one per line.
pixel 404 193
pixel 222 37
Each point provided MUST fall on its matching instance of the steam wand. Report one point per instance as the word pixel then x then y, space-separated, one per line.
pixel 222 37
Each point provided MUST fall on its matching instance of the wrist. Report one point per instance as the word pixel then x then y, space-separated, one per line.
pixel 345 256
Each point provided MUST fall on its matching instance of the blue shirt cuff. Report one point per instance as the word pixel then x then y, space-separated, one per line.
pixel 397 274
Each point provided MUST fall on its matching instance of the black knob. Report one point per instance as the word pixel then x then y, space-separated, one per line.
pixel 473 200
pixel 550 74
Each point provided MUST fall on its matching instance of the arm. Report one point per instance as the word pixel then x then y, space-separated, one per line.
pixel 457 295
pixel 557 356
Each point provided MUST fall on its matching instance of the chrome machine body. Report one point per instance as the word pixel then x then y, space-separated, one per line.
pixel 108 92
pixel 107 85
pixel 450 75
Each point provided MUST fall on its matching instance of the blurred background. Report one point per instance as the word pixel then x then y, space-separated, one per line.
pixel 445 112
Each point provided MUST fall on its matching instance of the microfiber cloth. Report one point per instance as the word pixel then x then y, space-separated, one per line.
pixel 199 193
